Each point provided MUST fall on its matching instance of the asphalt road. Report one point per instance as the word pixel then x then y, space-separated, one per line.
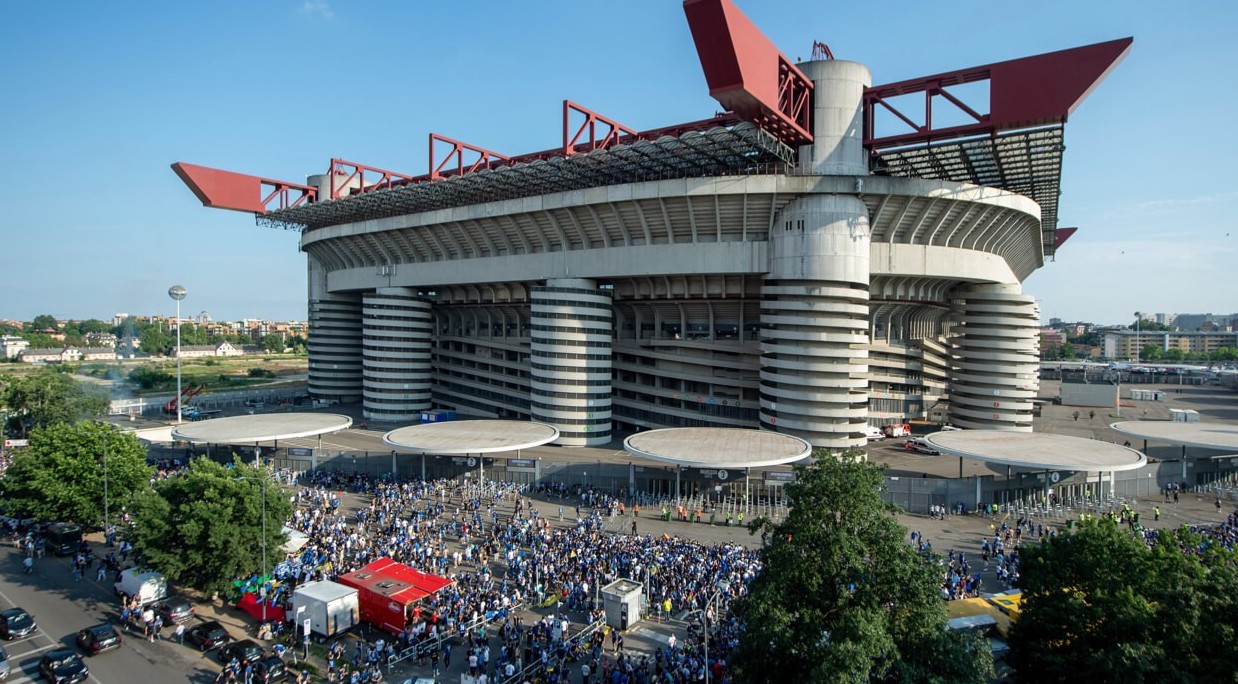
pixel 62 606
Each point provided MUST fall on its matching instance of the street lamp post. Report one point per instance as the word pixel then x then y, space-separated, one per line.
pixel 178 293
pixel 263 480
pixel 722 586
pixel 106 519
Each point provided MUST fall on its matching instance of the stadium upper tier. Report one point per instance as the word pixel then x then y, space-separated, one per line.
pixel 789 265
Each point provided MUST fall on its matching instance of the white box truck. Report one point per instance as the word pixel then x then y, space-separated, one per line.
pixel 147 586
pixel 330 608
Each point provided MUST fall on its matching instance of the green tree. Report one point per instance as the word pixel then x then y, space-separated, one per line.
pixel 45 398
pixel 148 376
pixel 1151 352
pixel 273 343
pixel 42 340
pixel 204 528
pixel 155 340
pixel 842 598
pixel 1099 605
pixel 43 322
pixel 60 475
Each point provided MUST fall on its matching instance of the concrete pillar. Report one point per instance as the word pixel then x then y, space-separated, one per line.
pixel 570 360
pixel 397 327
pixel 994 374
pixel 837 118
pixel 814 311
pixel 334 343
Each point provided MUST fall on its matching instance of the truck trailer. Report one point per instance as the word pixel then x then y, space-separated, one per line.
pixel 330 607
pixel 390 592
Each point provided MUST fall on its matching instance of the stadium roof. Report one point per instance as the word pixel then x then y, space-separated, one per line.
pixel 722 150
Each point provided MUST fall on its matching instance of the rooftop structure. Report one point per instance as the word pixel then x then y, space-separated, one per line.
pixel 820 257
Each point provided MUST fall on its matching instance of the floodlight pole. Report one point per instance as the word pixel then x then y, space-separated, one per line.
pixel 178 293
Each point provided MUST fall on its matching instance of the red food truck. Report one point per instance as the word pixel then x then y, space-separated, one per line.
pixel 389 592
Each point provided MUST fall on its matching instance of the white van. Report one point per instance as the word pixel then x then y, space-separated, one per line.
pixel 147 585
pixel 874 433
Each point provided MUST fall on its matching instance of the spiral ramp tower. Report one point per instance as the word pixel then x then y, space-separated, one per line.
pixel 996 359
pixel 395 359
pixel 570 355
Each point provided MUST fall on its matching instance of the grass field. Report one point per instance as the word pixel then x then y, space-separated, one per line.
pixel 215 373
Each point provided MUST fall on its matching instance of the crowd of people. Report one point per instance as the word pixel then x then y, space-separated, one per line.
pixel 503 552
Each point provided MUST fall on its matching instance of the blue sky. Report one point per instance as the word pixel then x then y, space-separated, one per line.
pixel 100 98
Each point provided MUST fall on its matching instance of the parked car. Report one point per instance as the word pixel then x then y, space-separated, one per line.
pixel 4 664
pixel 174 609
pixel 920 446
pixel 246 651
pixel 207 635
pixel 98 638
pixel 63 666
pixel 270 669
pixel 16 623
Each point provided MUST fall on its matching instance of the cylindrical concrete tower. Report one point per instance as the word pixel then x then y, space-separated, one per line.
pixel 996 359
pixel 570 360
pixel 814 312
pixel 334 343
pixel 395 355
pixel 814 307
pixel 837 118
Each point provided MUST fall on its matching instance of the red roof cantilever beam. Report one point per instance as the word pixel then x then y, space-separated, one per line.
pixel 1032 91
pixel 229 190
pixel 747 73
pixel 348 178
pixel 572 144
pixel 483 160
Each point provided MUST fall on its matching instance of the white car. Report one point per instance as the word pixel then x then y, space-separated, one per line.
pixel 874 433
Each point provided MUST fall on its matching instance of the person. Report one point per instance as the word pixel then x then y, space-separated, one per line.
pixel 28 564
pixel 1156 513
pixel 179 633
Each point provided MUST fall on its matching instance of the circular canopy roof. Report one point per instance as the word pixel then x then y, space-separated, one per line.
pixel 1204 435
pixel 266 427
pixel 702 447
pixel 471 436
pixel 1037 450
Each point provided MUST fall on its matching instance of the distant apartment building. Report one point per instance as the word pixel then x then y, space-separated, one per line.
pixel 50 355
pixel 1127 344
pixel 98 354
pixel 1206 322
pixel 100 339
pixel 13 346
pixel 1050 337
pixel 199 351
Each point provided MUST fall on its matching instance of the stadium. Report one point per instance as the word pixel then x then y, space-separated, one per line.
pixel 818 258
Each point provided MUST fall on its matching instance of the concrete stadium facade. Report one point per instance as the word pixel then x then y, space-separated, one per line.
pixel 808 302
pixel 722 277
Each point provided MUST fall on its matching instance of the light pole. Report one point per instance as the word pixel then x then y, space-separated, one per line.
pixel 106 519
pixel 178 293
pixel 263 480
pixel 722 586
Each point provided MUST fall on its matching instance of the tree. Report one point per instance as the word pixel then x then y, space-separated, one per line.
pixel 1151 352
pixel 60 475
pixel 155 340
pixel 45 398
pixel 204 528
pixel 147 377
pixel 43 322
pixel 273 343
pixel 1099 605
pixel 842 598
